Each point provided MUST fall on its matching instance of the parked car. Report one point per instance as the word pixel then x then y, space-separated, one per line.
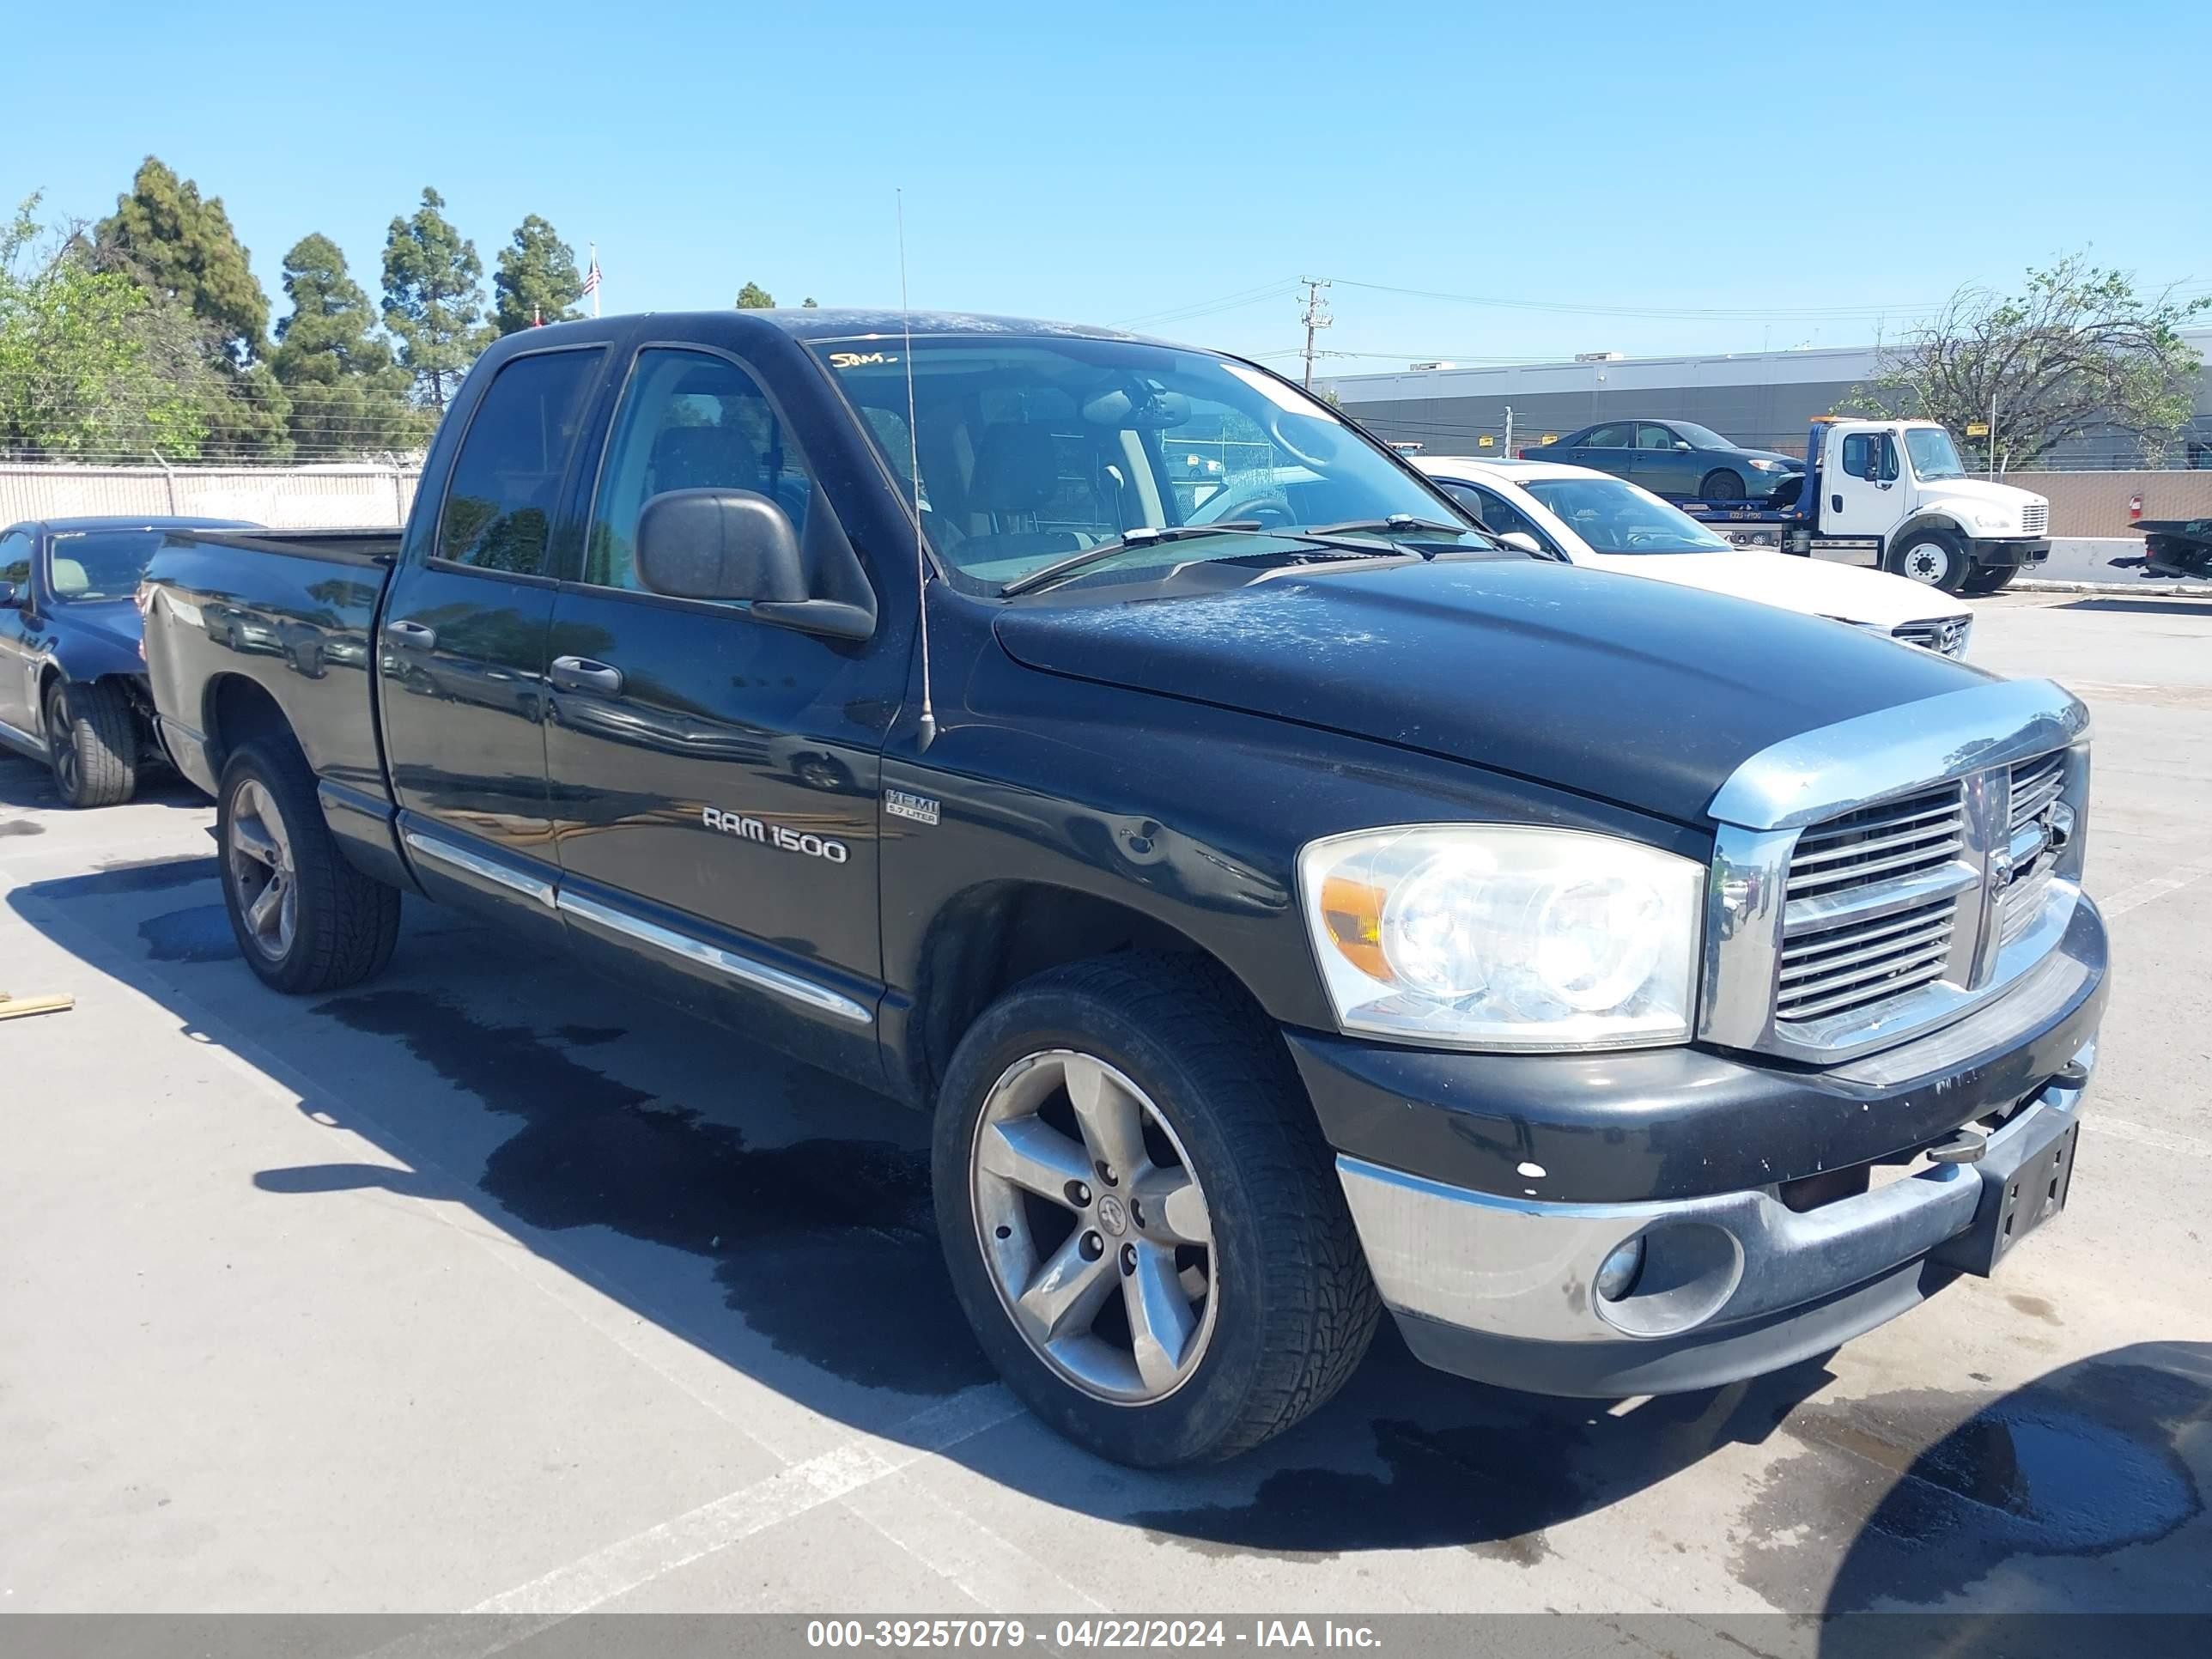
pixel 1596 519
pixel 72 683
pixel 1314 911
pixel 1679 460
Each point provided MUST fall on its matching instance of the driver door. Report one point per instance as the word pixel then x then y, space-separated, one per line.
pixel 1861 488
pixel 1662 466
pixel 1609 448
pixel 15 665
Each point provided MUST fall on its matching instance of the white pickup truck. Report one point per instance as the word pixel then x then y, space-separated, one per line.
pixel 1590 517
pixel 1895 495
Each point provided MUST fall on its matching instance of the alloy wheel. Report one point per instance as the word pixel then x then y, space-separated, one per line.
pixel 258 851
pixel 1093 1226
pixel 61 744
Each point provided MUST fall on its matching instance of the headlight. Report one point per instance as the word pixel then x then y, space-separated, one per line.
pixel 1997 519
pixel 1489 936
pixel 1768 466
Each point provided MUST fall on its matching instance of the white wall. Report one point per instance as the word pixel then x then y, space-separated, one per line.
pixel 364 497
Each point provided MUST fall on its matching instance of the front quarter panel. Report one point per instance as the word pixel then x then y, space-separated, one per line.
pixel 1191 815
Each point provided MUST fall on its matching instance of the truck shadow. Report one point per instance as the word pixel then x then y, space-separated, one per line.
pixel 779 1221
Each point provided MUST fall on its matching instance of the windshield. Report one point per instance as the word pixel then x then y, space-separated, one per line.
pixel 100 564
pixel 1934 454
pixel 1034 449
pixel 1616 517
pixel 1703 436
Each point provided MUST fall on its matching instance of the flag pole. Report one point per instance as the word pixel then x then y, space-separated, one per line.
pixel 595 271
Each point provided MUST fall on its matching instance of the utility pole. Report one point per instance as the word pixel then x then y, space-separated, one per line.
pixel 1317 317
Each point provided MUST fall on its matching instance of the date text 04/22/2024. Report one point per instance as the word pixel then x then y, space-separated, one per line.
pixel 1138 1634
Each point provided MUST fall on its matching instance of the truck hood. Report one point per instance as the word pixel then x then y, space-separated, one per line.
pixel 1628 690
pixel 1982 491
pixel 1812 588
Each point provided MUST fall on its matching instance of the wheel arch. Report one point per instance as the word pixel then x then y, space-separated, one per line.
pixel 236 709
pixel 988 937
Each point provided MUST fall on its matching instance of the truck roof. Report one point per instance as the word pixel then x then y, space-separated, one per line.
pixel 844 323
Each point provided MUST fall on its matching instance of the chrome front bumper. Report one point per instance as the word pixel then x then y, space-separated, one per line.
pixel 1733 1284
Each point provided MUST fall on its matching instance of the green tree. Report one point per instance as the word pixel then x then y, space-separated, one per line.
pixel 2077 352
pixel 753 297
pixel 180 247
pixel 348 398
pixel 434 299
pixel 93 367
pixel 537 278
pixel 808 304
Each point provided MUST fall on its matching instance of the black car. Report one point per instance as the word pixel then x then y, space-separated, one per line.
pixel 1679 460
pixel 72 681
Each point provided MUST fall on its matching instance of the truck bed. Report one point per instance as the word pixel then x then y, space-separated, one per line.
pixel 344 544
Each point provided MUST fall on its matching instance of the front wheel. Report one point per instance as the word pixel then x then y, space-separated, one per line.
pixel 1931 558
pixel 1990 578
pixel 1720 486
pixel 306 921
pixel 1141 1219
pixel 92 744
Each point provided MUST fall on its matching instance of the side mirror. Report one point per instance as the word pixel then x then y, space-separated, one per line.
pixel 1682 447
pixel 738 546
pixel 1521 541
pixel 11 596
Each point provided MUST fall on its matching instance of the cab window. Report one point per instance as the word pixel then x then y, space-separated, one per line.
pixel 689 420
pixel 500 501
pixel 1869 455
pixel 1654 437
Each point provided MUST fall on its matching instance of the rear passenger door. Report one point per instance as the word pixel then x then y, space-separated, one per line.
pixel 1609 448
pixel 461 651
pixel 715 778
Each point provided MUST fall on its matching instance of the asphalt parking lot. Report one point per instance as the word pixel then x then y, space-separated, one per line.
pixel 490 1285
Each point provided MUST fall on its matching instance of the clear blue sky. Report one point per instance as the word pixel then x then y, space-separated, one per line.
pixel 1771 174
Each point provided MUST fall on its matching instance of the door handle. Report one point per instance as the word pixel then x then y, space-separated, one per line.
pixel 582 674
pixel 411 632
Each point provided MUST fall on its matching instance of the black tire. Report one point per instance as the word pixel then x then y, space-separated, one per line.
pixel 1722 485
pixel 92 744
pixel 1294 1308
pixel 346 924
pixel 1990 578
pixel 1931 558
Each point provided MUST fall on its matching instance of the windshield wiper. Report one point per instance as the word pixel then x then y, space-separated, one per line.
pixel 1142 537
pixel 1398 524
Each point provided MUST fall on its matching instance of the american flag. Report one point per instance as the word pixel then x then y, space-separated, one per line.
pixel 592 276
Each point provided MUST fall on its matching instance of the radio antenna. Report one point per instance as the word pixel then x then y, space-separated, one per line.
pixel 926 726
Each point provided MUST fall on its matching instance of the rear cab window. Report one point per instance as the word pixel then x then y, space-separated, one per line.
pixel 504 491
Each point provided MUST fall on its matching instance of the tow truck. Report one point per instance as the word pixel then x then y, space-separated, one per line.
pixel 1894 494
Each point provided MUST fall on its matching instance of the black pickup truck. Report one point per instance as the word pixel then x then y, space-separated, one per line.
pixel 1289 903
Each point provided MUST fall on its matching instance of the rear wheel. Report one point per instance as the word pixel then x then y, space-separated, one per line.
pixel 92 744
pixel 1990 578
pixel 305 918
pixel 1930 557
pixel 1142 1221
pixel 1720 486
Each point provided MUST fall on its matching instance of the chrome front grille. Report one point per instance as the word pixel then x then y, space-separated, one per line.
pixel 1832 932
pixel 2035 518
pixel 1946 636
pixel 1853 964
pixel 2033 785
pixel 2035 790
pixel 1878 843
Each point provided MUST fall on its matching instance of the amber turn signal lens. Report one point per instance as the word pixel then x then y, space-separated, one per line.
pixel 1353 911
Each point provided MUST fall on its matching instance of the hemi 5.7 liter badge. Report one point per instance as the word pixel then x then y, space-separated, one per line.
pixel 900 804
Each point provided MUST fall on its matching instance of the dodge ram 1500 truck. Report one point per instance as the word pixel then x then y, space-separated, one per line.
pixel 1290 904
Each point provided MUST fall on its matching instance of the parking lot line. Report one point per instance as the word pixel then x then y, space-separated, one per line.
pixel 2143 892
